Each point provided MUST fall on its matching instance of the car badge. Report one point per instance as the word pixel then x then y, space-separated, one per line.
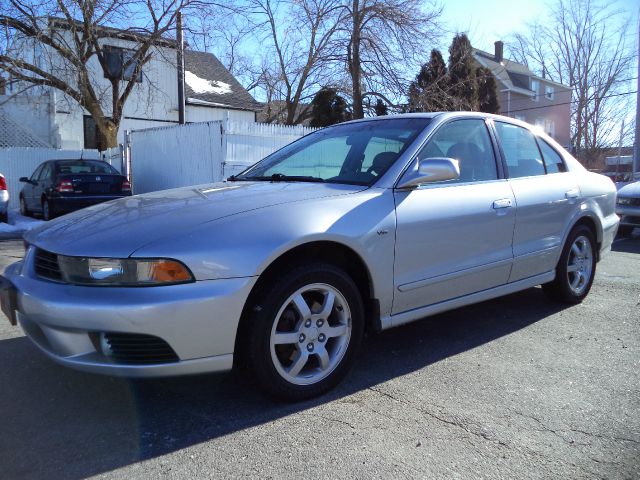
pixel 98 179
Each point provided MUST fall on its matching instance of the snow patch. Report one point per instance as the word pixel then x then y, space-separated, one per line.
pixel 19 224
pixel 202 85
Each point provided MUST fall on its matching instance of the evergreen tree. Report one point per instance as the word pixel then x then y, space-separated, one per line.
pixel 487 91
pixel 462 77
pixel 328 108
pixel 428 93
pixel 381 108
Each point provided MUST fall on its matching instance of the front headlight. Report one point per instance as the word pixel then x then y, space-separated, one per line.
pixel 123 272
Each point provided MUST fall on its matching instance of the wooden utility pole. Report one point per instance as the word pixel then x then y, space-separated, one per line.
pixel 636 145
pixel 180 61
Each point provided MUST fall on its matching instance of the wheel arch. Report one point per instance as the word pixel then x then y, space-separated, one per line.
pixel 594 225
pixel 327 251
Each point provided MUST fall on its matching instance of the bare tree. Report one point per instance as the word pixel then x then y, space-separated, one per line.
pixel 68 35
pixel 582 46
pixel 378 38
pixel 295 36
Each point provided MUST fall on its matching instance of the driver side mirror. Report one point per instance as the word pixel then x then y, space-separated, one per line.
pixel 430 170
pixel 24 179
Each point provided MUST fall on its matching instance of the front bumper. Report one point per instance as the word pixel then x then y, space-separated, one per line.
pixel 197 320
pixel 629 215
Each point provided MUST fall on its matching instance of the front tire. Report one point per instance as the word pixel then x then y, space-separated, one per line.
pixel 305 331
pixel 576 268
pixel 24 211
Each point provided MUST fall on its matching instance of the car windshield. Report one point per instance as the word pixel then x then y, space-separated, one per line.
pixel 85 166
pixel 353 153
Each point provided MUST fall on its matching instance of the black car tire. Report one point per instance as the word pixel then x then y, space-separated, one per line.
pixel 24 211
pixel 267 360
pixel 4 217
pixel 48 210
pixel 572 265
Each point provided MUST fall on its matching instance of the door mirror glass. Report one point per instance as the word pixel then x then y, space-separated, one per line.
pixel 428 170
pixel 23 179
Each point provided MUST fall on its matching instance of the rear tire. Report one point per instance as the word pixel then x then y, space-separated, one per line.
pixel 576 268
pixel 48 212
pixel 304 332
pixel 4 217
pixel 24 211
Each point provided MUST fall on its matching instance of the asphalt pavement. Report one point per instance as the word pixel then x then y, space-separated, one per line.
pixel 517 387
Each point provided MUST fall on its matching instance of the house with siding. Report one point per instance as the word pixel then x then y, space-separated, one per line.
pixel 529 97
pixel 50 118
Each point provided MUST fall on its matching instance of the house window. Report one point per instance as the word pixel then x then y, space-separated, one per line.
pixel 116 59
pixel 535 87
pixel 549 92
pixel 550 128
pixel 90 132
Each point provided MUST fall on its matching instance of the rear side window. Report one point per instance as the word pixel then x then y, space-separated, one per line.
pixel 520 150
pixel 552 159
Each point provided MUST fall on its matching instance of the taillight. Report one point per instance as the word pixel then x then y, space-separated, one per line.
pixel 3 184
pixel 126 186
pixel 64 186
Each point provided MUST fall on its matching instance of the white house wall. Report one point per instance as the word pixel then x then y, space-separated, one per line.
pixel 152 103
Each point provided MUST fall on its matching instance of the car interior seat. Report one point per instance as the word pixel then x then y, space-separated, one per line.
pixel 471 161
pixel 381 162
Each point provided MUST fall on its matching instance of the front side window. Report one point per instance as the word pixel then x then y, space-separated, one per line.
pixel 468 142
pixel 36 174
pixel 46 172
pixel 353 153
pixel 520 150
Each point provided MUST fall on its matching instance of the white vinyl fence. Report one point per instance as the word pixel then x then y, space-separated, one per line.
pixel 176 156
pixel 16 162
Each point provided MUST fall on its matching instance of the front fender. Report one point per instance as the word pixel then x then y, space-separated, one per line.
pixel 244 245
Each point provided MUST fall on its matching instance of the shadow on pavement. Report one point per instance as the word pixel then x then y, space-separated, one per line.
pixel 627 244
pixel 57 423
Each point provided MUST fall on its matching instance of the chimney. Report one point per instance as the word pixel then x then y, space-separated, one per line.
pixel 499 50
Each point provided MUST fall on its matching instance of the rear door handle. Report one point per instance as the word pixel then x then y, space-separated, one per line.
pixel 502 203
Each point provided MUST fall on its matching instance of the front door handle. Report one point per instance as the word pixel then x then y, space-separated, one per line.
pixel 572 194
pixel 502 203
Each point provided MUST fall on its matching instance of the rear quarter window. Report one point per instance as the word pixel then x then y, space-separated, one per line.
pixel 552 159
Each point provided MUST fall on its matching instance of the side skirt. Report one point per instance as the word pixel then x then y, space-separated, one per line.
pixel 390 321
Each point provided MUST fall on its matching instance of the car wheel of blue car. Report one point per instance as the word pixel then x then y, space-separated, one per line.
pixel 305 332
pixel 24 211
pixel 48 212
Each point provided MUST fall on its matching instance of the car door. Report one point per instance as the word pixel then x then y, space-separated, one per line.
pixel 547 199
pixel 454 238
pixel 44 178
pixel 28 191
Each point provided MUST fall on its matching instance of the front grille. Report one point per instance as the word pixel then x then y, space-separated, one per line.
pixel 46 265
pixel 630 201
pixel 133 348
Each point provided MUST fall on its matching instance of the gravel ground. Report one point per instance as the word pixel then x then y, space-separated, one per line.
pixel 511 388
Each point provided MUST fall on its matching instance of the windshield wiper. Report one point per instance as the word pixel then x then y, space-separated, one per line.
pixel 281 177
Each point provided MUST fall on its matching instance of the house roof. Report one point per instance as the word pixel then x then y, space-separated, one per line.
pixel 208 82
pixel 513 75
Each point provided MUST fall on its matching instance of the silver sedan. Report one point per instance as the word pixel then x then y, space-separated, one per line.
pixel 365 225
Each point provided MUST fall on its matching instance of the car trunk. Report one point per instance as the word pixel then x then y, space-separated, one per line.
pixel 90 184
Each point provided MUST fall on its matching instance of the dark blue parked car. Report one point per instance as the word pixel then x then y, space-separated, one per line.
pixel 63 186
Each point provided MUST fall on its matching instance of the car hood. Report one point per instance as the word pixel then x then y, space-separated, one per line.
pixel 630 190
pixel 118 228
